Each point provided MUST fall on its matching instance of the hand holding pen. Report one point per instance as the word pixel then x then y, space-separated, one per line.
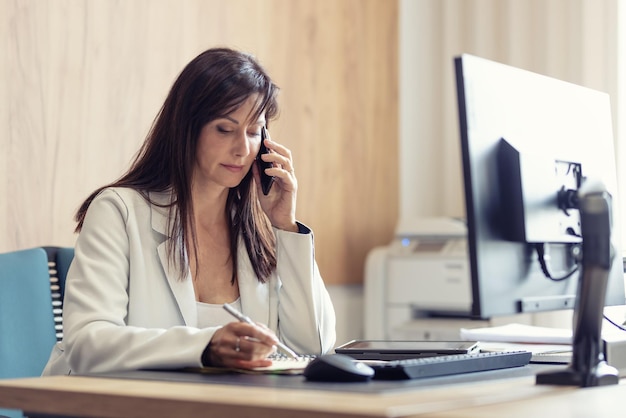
pixel 242 318
pixel 240 345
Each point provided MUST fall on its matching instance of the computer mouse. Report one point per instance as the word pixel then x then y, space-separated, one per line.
pixel 337 368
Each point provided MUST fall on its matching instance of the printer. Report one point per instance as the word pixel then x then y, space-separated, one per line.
pixel 422 273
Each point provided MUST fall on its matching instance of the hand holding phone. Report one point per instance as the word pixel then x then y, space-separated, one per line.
pixel 266 180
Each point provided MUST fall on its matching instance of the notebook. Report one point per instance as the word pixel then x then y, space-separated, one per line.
pixel 281 364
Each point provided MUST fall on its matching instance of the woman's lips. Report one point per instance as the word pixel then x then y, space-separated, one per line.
pixel 233 168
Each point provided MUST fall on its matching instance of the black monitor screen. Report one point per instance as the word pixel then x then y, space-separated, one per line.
pixel 526 141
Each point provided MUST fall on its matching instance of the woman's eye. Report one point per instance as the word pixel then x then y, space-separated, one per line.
pixel 223 130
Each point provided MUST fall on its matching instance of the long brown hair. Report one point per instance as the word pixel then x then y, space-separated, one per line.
pixel 212 85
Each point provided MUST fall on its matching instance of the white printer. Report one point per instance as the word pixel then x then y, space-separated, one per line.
pixel 423 273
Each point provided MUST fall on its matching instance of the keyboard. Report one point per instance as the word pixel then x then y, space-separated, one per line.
pixel 418 368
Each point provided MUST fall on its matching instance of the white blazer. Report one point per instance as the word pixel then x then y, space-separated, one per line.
pixel 125 306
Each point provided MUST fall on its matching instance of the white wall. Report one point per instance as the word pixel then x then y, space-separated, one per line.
pixel 348 303
pixel 573 40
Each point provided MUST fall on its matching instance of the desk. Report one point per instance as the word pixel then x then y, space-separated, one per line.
pixel 114 397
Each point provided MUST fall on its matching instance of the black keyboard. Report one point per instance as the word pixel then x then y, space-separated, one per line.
pixel 418 368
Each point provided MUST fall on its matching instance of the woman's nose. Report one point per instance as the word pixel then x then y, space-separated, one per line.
pixel 242 145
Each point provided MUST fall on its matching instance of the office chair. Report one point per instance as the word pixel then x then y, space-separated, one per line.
pixel 27 329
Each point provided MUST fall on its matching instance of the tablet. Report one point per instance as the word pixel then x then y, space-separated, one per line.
pixel 397 349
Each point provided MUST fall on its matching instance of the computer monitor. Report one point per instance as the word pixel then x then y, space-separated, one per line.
pixel 527 139
pixel 541 204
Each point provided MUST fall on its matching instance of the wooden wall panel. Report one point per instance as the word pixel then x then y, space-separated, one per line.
pixel 81 81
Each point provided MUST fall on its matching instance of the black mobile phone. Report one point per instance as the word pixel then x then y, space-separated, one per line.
pixel 266 180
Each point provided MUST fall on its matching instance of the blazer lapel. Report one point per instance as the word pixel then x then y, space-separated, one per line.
pixel 182 288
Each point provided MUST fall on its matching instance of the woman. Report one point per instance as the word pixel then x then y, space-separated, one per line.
pixel 187 230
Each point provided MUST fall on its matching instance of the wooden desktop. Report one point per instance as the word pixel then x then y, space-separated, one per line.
pixel 519 396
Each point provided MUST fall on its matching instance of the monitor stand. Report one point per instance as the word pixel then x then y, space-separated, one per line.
pixel 588 366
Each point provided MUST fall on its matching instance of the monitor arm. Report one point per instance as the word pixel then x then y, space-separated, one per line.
pixel 588 367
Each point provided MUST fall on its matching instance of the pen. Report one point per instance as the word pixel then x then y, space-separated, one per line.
pixel 241 317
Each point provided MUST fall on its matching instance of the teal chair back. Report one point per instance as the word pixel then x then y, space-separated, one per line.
pixel 27 313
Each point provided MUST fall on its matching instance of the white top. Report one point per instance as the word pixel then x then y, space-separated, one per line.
pixel 214 315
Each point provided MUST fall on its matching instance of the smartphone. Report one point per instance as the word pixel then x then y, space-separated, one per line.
pixel 398 350
pixel 266 180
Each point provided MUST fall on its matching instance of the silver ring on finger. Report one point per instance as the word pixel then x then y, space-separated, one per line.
pixel 237 348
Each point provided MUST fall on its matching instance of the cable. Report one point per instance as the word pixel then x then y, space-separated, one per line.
pixel 541 255
pixel 615 324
